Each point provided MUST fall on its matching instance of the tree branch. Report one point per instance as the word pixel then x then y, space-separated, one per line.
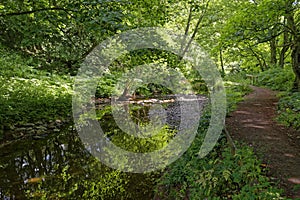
pixel 34 11
pixel 189 21
pixel 196 29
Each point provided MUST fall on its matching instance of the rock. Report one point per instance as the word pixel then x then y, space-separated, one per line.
pixel 21 129
pixel 39 123
pixel 39 132
pixel 28 125
pixel 41 128
pixel 37 137
pixel 15 136
pixel 58 121
pixel 31 132
pixel 51 126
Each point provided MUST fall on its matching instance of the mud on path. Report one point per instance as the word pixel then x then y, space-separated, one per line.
pixel 279 147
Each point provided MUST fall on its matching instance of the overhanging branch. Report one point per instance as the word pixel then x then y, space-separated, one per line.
pixel 35 11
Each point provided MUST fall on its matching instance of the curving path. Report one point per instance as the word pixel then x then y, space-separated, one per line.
pixel 279 147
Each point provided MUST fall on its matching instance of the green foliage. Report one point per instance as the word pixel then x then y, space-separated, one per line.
pixel 160 136
pixel 89 180
pixel 239 78
pixel 220 175
pixel 169 66
pixel 289 109
pixel 60 34
pixel 277 78
pixel 30 95
pixel 235 93
pixel 160 139
pixel 106 84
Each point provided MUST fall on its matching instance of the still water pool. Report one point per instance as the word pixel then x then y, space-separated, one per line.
pixel 58 166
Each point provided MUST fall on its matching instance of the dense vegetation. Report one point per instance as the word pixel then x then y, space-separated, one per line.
pixel 42 45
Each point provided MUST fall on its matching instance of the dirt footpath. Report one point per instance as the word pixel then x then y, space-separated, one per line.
pixel 279 147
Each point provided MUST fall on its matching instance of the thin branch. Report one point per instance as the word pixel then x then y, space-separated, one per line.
pixel 189 21
pixel 230 141
pixel 196 29
pixel 34 11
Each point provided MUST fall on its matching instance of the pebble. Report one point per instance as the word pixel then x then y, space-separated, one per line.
pixel 21 129
pixel 38 123
pixel 58 121
pixel 29 125
pixel 39 132
pixel 51 126
pixel 41 128
pixel 31 132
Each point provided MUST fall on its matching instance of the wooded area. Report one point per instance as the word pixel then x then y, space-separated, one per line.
pixel 42 47
pixel 249 35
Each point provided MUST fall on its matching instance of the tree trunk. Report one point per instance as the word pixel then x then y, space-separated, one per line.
pixel 222 62
pixel 273 47
pixel 285 45
pixel 295 48
pixel 296 65
pixel 261 61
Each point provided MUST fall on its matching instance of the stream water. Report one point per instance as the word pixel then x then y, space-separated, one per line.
pixel 58 166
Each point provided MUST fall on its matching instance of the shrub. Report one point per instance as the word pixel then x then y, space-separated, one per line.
pixel 30 95
pixel 220 175
pixel 277 78
pixel 289 110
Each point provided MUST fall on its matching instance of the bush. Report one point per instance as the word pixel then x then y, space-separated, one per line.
pixel 289 110
pixel 31 95
pixel 235 93
pixel 220 175
pixel 277 78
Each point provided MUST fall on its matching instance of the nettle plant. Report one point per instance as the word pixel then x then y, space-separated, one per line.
pixel 220 175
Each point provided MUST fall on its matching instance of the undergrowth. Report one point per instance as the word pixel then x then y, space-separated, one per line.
pixel 289 109
pixel 289 103
pixel 277 78
pixel 30 95
pixel 220 174
pixel 235 93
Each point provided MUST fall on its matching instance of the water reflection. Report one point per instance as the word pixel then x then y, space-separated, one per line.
pixel 59 167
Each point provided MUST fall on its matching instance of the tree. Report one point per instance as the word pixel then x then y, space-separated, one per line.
pixel 293 23
pixel 62 33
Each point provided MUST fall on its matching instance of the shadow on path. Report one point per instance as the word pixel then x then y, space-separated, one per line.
pixel 253 123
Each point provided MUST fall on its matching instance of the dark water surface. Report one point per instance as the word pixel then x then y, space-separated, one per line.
pixel 58 166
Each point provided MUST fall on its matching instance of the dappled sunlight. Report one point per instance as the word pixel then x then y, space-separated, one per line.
pixel 289 155
pixel 295 180
pixel 205 95
pixel 272 138
pixel 250 123
pixel 243 112
pixel 254 126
